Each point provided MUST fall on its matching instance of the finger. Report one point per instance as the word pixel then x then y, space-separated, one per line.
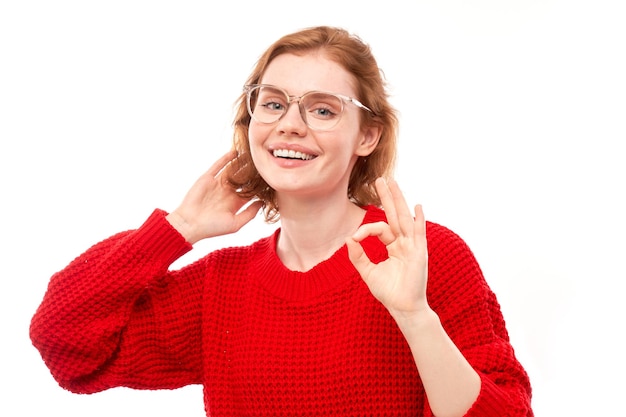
pixel 386 200
pixel 419 235
pixel 358 257
pixel 380 229
pixel 420 223
pixel 403 212
pixel 221 163
pixel 247 214
pixel 396 208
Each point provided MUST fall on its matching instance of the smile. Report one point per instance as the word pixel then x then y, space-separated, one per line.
pixel 291 154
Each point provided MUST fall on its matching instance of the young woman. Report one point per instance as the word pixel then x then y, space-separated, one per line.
pixel 355 306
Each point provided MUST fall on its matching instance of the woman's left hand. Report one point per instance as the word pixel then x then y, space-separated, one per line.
pixel 399 282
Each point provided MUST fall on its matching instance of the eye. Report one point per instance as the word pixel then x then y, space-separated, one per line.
pixel 323 112
pixel 272 106
pixel 271 100
pixel 323 106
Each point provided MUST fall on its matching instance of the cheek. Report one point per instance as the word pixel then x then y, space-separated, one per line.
pixel 256 138
pixel 253 136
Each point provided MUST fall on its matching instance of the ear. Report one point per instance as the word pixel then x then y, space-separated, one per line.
pixel 370 137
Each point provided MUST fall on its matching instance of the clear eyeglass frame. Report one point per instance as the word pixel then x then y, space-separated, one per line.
pixel 315 124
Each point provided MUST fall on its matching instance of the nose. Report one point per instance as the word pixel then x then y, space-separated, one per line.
pixel 292 122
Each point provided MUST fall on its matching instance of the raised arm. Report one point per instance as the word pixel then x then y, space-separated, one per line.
pixel 116 314
pixel 453 325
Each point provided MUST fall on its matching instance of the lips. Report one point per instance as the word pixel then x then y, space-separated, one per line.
pixel 291 154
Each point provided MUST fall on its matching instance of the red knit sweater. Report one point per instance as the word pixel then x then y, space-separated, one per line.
pixel 264 340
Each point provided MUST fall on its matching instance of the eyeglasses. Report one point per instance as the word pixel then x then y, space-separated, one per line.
pixel 267 104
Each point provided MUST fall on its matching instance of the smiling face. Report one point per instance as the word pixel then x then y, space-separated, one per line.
pixel 291 157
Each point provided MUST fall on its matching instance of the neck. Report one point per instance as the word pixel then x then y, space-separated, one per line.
pixel 313 232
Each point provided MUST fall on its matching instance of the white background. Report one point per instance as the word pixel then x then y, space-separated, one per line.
pixel 512 134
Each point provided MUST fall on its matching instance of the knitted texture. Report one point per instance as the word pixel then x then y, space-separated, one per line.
pixel 264 340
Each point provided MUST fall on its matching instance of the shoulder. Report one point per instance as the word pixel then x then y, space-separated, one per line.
pixel 449 256
pixel 440 238
pixel 230 267
pixel 447 251
pixel 444 245
pixel 241 258
pixel 244 253
pixel 455 278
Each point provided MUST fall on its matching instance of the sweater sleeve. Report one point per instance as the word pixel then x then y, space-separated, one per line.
pixel 115 316
pixel 471 315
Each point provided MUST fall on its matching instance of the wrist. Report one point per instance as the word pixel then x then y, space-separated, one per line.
pixel 181 225
pixel 416 320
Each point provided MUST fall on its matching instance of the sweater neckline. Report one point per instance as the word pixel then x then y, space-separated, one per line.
pixel 298 286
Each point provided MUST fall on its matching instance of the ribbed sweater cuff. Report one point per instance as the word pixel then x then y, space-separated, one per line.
pixel 489 401
pixel 157 237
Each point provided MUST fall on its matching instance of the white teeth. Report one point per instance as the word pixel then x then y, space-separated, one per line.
pixel 285 153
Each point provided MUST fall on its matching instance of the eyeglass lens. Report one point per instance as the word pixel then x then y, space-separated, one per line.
pixel 320 111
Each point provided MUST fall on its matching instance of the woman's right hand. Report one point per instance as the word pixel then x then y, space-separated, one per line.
pixel 211 207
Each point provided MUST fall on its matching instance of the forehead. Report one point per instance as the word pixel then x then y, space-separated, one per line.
pixel 298 74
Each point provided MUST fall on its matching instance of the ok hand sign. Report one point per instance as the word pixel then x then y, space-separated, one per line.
pixel 399 282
